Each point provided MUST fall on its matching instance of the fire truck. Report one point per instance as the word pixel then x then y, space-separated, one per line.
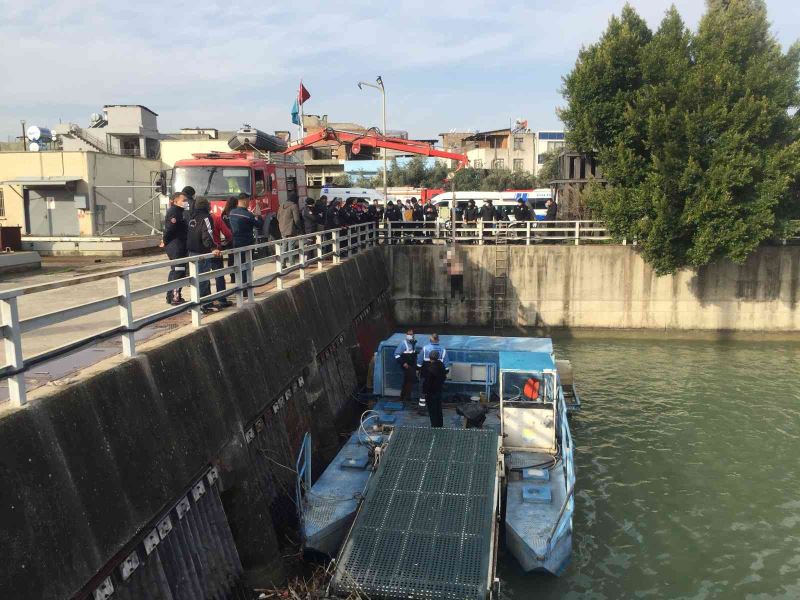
pixel 269 178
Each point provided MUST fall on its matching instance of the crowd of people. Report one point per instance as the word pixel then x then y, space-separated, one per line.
pixel 191 228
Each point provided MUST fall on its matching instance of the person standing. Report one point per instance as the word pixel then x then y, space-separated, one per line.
pixel 174 242
pixel 406 356
pixel 425 357
pixel 309 217
pixel 200 241
pixel 521 211
pixel 230 204
pixel 488 215
pixel 319 211
pixel 434 375
pixel 242 224
pixel 550 215
pixel 189 192
pixel 430 214
pixel 332 214
pixel 223 240
pixel 290 225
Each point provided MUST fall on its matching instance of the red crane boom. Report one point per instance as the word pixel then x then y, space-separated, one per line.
pixel 375 140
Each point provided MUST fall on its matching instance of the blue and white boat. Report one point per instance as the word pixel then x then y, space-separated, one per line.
pixel 527 409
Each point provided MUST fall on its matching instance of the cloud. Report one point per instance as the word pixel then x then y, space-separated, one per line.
pixel 448 63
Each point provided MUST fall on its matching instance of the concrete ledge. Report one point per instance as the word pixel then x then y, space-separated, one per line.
pixel 91 246
pixel 11 262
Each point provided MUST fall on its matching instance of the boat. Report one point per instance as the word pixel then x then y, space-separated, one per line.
pixel 394 499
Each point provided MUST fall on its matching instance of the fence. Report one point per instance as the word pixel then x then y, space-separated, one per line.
pixel 480 232
pixel 286 255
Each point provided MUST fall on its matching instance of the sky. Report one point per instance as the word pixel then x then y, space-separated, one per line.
pixel 446 64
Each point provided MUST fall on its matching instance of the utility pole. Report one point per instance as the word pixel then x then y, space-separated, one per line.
pixel 24 136
pixel 382 90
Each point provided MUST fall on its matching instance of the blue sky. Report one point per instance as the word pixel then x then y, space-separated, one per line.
pixel 447 64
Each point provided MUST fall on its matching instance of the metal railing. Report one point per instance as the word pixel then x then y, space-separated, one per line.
pixel 480 232
pixel 287 255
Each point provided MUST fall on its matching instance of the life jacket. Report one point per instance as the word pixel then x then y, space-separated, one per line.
pixel 531 389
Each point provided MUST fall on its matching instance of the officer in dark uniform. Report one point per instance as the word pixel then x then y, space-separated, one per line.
pixel 406 356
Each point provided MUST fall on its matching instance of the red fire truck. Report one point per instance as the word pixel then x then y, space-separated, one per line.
pixel 268 178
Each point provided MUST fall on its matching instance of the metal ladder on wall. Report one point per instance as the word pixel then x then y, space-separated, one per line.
pixel 500 284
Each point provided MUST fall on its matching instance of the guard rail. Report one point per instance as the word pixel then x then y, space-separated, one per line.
pixel 287 255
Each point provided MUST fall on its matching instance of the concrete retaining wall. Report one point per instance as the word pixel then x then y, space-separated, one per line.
pixel 596 286
pixel 87 467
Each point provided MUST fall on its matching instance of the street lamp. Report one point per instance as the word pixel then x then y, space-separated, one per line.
pixel 378 85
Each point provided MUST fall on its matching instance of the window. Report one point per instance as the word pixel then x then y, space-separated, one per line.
pixel 260 188
pixel 518 164
pixel 551 135
pixel 518 142
pixel 540 159
pixel 554 146
pixel 498 163
pixel 2 204
pixel 477 164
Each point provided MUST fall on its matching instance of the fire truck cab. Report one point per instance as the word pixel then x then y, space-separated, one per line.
pixel 267 178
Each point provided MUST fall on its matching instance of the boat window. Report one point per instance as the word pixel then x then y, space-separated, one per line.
pixel 525 386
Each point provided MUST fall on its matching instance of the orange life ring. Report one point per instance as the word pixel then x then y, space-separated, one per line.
pixel 531 389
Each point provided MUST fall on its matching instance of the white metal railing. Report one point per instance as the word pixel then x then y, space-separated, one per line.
pixel 287 255
pixel 480 232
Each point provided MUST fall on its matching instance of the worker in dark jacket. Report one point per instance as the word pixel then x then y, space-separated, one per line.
pixel 552 210
pixel 189 193
pixel 434 375
pixel 242 224
pixel 488 213
pixel 406 356
pixel 471 213
pixel 319 211
pixel 393 213
pixel 199 241
pixel 521 211
pixel 332 214
pixel 309 215
pixel 174 242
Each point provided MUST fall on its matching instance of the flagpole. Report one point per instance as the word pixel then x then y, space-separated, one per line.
pixel 300 102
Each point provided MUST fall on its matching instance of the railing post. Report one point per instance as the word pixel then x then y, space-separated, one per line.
pixel 126 314
pixel 336 258
pixel 480 233
pixel 388 230
pixel 527 233
pixel 301 248
pixel 278 264
pixel 251 275
pixel 319 252
pixel 12 344
pixel 239 273
pixel 194 292
pixel 577 232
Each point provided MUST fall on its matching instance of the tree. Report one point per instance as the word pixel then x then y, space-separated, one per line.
pixel 342 180
pixel 549 168
pixel 694 131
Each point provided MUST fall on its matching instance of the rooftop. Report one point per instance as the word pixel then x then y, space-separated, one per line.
pixel 130 106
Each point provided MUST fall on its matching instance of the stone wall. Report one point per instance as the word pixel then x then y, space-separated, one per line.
pixel 595 286
pixel 87 467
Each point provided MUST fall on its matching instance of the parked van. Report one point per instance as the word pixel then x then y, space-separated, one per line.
pixel 504 202
pixel 360 194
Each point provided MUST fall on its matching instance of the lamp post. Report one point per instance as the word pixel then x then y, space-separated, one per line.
pixel 378 85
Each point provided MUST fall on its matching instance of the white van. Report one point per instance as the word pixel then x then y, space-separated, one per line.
pixel 504 202
pixel 360 194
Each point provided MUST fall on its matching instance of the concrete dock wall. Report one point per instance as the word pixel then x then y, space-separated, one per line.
pixel 86 467
pixel 595 287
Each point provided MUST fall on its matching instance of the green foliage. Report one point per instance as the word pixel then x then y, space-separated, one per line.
pixel 343 180
pixel 695 132
pixel 549 168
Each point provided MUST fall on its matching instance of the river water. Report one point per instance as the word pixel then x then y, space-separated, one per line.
pixel 688 486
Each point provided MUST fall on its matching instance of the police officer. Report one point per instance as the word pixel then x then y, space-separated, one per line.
pixel 406 356
pixel 425 356
pixel 174 242
pixel 434 374
pixel 521 211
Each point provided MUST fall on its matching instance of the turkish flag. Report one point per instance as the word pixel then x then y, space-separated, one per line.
pixel 303 94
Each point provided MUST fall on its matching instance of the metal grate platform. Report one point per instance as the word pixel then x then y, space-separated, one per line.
pixel 426 527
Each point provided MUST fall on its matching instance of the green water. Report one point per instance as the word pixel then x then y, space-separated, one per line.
pixel 688 486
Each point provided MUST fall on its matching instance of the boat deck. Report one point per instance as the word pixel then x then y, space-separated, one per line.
pixel 427 527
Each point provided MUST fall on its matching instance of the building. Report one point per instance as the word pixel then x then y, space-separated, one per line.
pixel 195 140
pixel 517 149
pixel 125 129
pixel 79 193
pixel 574 171
pixel 547 142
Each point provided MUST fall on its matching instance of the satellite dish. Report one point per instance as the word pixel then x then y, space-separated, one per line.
pixel 94 118
pixel 34 147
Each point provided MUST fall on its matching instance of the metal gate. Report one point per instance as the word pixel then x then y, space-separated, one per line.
pixel 189 554
pixel 51 212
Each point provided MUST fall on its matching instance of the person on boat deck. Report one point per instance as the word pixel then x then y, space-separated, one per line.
pixel 425 356
pixel 406 356
pixel 434 374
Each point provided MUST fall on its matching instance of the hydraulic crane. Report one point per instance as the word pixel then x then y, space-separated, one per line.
pixel 373 139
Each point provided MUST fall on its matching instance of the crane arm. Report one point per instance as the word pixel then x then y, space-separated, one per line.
pixel 375 140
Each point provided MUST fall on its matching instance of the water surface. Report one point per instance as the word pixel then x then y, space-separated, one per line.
pixel 687 455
